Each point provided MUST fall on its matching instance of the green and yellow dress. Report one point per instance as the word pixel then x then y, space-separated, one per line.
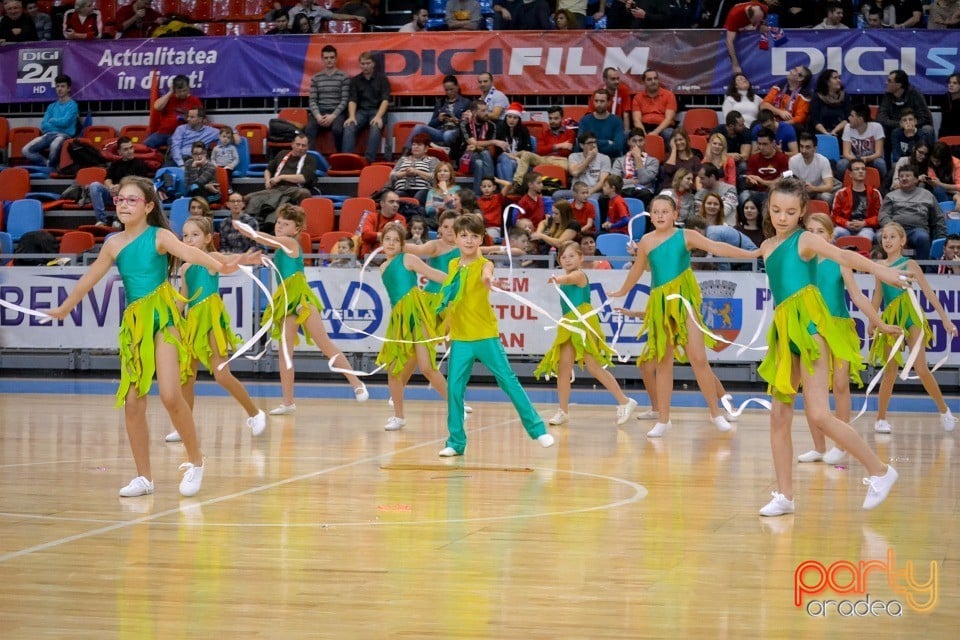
pixel 441 262
pixel 800 313
pixel 411 319
pixel 833 290
pixel 593 343
pixel 666 320
pixel 297 300
pixel 207 315
pixel 151 307
pixel 900 312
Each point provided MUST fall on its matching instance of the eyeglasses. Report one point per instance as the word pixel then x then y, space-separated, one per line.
pixel 130 200
pixel 235 201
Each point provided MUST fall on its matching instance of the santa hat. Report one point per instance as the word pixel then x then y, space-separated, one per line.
pixel 515 109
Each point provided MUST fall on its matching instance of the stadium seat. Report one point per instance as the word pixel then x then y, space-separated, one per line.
pixel 24 216
pixel 179 212
pixel 99 135
pixel 818 206
pixel 319 216
pixel 858 243
pixel 698 142
pixel 373 178
pixel 614 245
pixel 936 248
pixel 828 147
pixel 76 242
pixel 345 165
pixel 6 244
pixel 654 146
pixel 552 171
pixel 401 135
pixel 136 132
pixel 4 137
pixel 84 178
pixel 329 240
pixel 19 136
pixel 700 121
pixel 351 213
pixel 255 134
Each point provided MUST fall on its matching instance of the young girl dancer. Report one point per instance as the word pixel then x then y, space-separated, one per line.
pixel 834 281
pixel 801 340
pixel 412 320
pixel 590 350
pixel 899 311
pixel 671 332
pixel 208 334
pixel 151 328
pixel 295 305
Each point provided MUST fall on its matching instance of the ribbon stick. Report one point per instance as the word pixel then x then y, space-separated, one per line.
pixel 44 317
pixel 705 330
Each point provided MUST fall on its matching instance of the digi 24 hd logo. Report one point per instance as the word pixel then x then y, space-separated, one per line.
pixel 36 71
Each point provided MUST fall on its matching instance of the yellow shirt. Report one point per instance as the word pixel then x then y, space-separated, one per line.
pixel 471 316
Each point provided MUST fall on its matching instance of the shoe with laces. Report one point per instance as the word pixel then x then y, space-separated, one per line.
pixel 257 423
pixel 284 410
pixel 449 452
pixel 649 414
pixel 624 411
pixel 879 487
pixel 560 417
pixel 395 424
pixel 361 393
pixel 546 440
pixel 139 486
pixel 721 424
pixel 948 421
pixel 810 456
pixel 779 506
pixel 173 436
pixel 192 477
pixel 882 426
pixel 834 456
pixel 659 429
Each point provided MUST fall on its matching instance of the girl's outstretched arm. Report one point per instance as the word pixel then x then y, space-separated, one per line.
pixel 914 269
pixel 413 263
pixel 577 278
pixel 94 274
pixel 722 249
pixel 285 244
pixel 811 244
pixel 865 305
pixel 167 242
pixel 633 276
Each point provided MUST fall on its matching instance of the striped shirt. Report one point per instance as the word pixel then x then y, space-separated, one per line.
pixel 329 93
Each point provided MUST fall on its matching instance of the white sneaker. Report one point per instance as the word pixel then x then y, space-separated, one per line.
pixel 467 408
pixel 834 456
pixel 448 452
pixel 395 424
pixel 659 429
pixel 721 424
pixel 284 410
pixel 257 423
pixel 810 456
pixel 390 402
pixel 729 400
pixel 192 477
pixel 173 436
pixel 139 486
pixel 624 411
pixel 881 426
pixel 560 417
pixel 649 414
pixel 948 421
pixel 879 487
pixel 361 393
pixel 779 506
pixel 546 440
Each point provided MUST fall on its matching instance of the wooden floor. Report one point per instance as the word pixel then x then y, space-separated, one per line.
pixel 328 527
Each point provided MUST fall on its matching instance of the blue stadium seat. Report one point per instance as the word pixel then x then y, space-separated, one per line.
pixel 936 248
pixel 6 243
pixel 614 245
pixel 24 216
pixel 179 213
pixel 828 147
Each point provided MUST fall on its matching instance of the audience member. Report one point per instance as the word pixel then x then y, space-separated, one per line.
pixel 82 22
pixel 742 99
pixel 346 253
pixel 512 138
pixel 764 167
pixel 524 15
pixel 492 201
pixel 289 177
pixel 588 244
pixel 831 104
pixel 463 15
pixel 281 26
pixel 557 229
pixel 478 133
pixel 683 192
pixel 367 107
pixel 60 121
pixel 102 194
pixel 173 107
pixel 497 101
pixel 615 216
pixel 564 20
pixel 950 112
pixel 638 169
pixel 739 138
pixel 950 261
pixel 329 95
pixel 916 210
pixel 195 130
pixel 412 176
pixel 15 25
pixel 681 155
pixel 856 208
pixel 531 203
pixel 749 220
pixel 862 139
pixel 583 210
pixel 908 13
pixel 789 101
pixel 588 165
pixel 417 230
pixel 41 21
pixel 744 16
pixel 226 153
pixel 199 207
pixel 618 94
pixel 231 240
pixel 654 108
pixel 881 11
pixel 717 155
pixel 943 175
pixel 444 125
pixel 943 14
pixel 606 127
pixel 137 19
pixel 813 168
pixel 418 21
pixel 919 157
pixel 899 96
pixel 439 195
pixel 785 135
pixel 712 182
pixel 373 222
pixel 200 175
pixel 907 135
pixel 833 19
pixel 553 146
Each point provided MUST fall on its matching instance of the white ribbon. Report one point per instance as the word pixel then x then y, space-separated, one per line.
pixel 894 350
pixel 582 318
pixel 707 332
pixel 918 345
pixel 570 326
pixel 250 232
pixel 728 405
pixel 506 237
pixel 363 270
pixel 44 317
pixel 352 372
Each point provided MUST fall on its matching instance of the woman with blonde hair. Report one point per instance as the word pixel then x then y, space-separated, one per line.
pixel 717 156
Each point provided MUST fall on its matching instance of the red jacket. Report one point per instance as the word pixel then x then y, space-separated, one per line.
pixel 371 225
pixel 532 209
pixel 549 139
pixel 843 207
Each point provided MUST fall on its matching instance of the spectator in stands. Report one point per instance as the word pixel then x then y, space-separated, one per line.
pixel 101 194
pixel 82 22
pixel 618 103
pixel 15 25
pixel 943 14
pixel 764 167
pixel 367 107
pixel 463 15
pixel 412 176
pixel 329 94
pixel 899 96
pixel 739 138
pixel 951 256
pixel 589 165
pixel 583 209
pixel 742 99
pixel 531 202
pixel 917 211
pixel 281 26
pixel 637 168
pixel 478 133
pixel 444 125
pixel 830 105
pixel 553 147
pixel 59 122
pixel 907 13
pixel 578 12
pixel 373 222
pixel 492 201
pixel 789 101
pixel 654 108
pixel 200 207
pixel 200 175
pixel 41 20
pixel 833 19
pixel 606 127
pixel 231 240
pixel 173 107
pixel 748 220
pixel 557 229
pixel 712 182
pixel 919 157
pixel 943 176
pixel 785 134
pixel 289 177
pixel 316 14
pixel 717 155
pixel 523 15
pixel 813 168
pixel 418 21
pixel 717 229
pixel 950 113
pixel 745 16
pixel 301 23
pixel 884 9
pixel 681 154
pixel 588 244
pixel 856 208
pixel 137 19
pixel 614 211
pixel 357 10
pixel 497 101
pixel 565 20
pixel 682 190
pixel 639 14
pixel 226 153
pixel 908 135
pixel 874 16
pixel 862 139
pixel 438 197
pixel 512 138
pixel 195 130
